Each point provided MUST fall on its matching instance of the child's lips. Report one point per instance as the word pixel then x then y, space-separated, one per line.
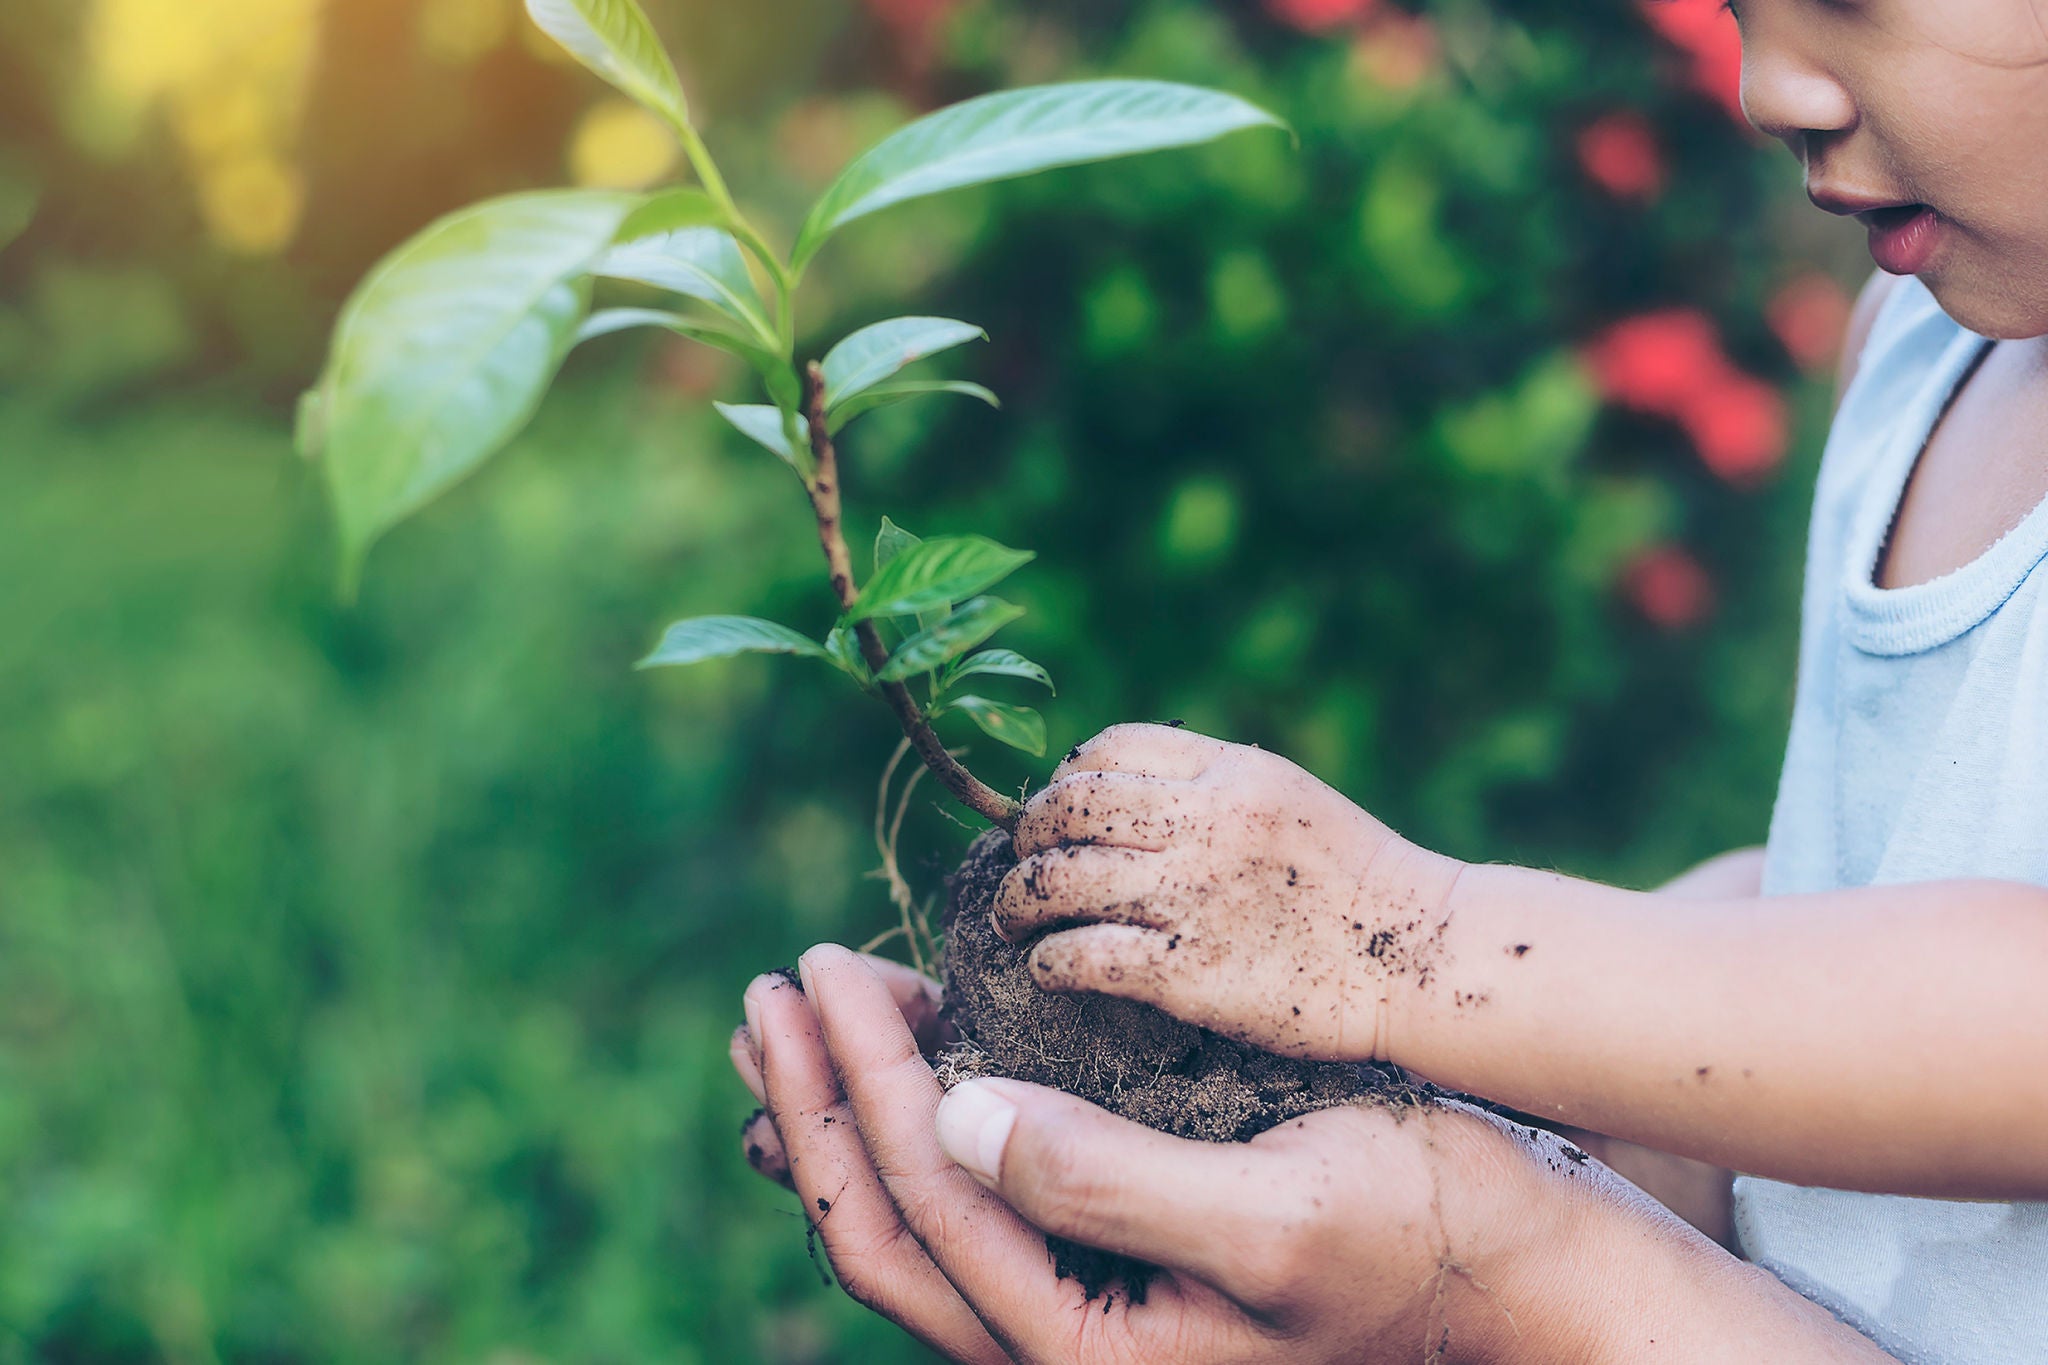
pixel 1903 238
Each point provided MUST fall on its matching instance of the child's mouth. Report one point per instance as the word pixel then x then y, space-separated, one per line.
pixel 1903 238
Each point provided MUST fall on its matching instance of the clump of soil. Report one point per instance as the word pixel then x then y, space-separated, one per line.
pixel 1130 1058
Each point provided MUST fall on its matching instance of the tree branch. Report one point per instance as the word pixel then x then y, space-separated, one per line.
pixel 968 789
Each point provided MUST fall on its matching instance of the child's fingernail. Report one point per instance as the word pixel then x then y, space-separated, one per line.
pixel 803 972
pixel 974 1124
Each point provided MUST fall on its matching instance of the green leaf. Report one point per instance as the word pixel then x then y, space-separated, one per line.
pixel 702 263
pixel 720 637
pixel 1002 663
pixel 614 39
pixel 1020 727
pixel 1020 132
pixel 951 637
pixel 936 573
pixel 891 541
pixel 671 210
pixel 844 647
pixel 887 395
pixel 775 374
pixel 444 351
pixel 762 424
pixel 874 353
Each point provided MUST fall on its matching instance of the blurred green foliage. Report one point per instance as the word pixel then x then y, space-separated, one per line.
pixel 365 975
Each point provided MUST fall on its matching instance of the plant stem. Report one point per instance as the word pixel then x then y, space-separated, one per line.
pixel 968 789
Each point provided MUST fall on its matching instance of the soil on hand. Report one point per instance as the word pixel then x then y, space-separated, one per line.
pixel 1131 1059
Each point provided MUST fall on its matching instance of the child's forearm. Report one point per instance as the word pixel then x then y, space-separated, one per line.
pixel 1885 1038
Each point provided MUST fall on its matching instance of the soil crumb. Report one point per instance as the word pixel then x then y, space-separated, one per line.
pixel 1131 1059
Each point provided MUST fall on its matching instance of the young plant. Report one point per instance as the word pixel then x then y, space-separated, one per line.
pixel 447 347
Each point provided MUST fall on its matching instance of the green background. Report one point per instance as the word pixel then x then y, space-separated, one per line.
pixel 366 974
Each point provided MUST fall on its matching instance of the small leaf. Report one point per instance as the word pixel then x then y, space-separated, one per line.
pixel 614 39
pixel 1002 663
pixel 719 637
pixel 844 647
pixel 1020 727
pixel 775 374
pixel 1019 132
pixel 874 353
pixel 951 637
pixel 887 395
pixel 891 541
pixel 670 211
pixel 445 349
pixel 702 263
pixel 934 574
pixel 762 424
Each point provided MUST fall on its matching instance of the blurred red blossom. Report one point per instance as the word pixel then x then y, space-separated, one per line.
pixel 1319 16
pixel 1709 36
pixel 1669 587
pixel 1396 50
pixel 1670 364
pixel 1811 316
pixel 1619 153
pixel 915 24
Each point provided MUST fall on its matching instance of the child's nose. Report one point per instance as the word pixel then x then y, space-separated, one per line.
pixel 1788 96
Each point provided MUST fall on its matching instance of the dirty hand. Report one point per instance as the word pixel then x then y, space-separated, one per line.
pixel 1229 887
pixel 1354 1234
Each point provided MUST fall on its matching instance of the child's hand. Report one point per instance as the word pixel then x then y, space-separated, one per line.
pixel 1230 888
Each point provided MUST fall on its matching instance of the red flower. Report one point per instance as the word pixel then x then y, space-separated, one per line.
pixel 1669 587
pixel 1709 36
pixel 1319 16
pixel 1619 152
pixel 1738 425
pixel 1811 316
pixel 1396 50
pixel 1656 361
pixel 1671 364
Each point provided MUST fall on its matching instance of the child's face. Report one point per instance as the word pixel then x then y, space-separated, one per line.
pixel 1943 102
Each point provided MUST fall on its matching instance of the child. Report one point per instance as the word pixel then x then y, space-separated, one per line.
pixel 1858 1018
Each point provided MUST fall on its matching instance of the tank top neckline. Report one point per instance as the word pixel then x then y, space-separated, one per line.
pixel 1923 616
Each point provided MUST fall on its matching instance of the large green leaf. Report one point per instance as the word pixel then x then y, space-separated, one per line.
pixel 761 423
pixel 446 348
pixel 934 574
pixel 719 637
pixel 605 321
pixel 614 39
pixel 886 395
pixel 1020 727
pixel 1018 132
pixel 949 638
pixel 872 354
pixel 683 207
pixel 702 263
pixel 1002 663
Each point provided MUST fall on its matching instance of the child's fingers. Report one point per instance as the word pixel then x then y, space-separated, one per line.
pixel 995 1259
pixel 1153 750
pixel 741 1049
pixel 1125 886
pixel 762 1146
pixel 916 995
pixel 1095 807
pixel 878 1263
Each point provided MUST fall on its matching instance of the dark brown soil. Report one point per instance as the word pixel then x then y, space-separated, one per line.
pixel 1129 1058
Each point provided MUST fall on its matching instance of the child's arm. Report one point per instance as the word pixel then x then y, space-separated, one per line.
pixel 1890 1038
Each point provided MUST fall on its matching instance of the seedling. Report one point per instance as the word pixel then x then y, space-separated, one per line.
pixel 448 346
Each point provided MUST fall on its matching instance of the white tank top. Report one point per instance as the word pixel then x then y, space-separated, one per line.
pixel 1919 751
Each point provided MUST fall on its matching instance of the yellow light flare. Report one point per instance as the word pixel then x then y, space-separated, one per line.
pixel 230 77
pixel 252 204
pixel 618 145
pixel 458 32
